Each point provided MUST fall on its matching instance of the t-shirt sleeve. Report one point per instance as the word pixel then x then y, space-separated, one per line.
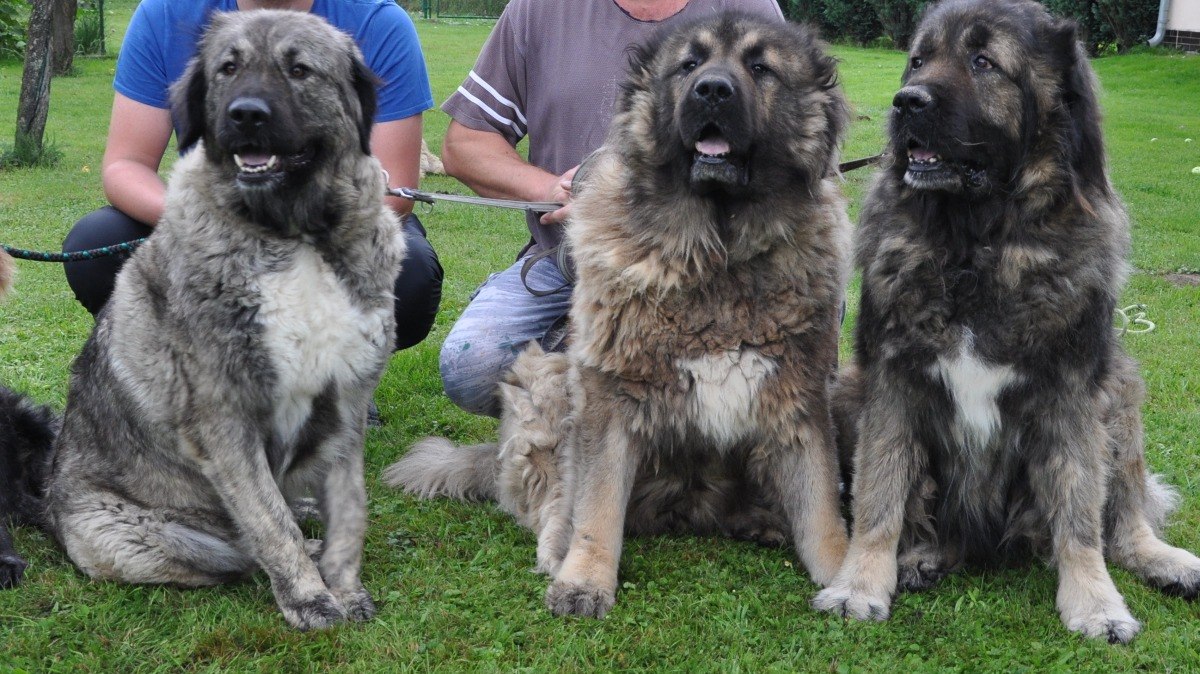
pixel 393 52
pixel 141 66
pixel 492 98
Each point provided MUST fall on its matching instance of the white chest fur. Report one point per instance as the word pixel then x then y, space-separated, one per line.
pixel 316 336
pixel 725 386
pixel 974 387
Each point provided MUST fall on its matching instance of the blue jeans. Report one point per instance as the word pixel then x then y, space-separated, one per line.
pixel 502 317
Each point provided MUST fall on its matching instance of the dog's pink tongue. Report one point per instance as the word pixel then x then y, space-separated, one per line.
pixel 712 146
pixel 920 154
pixel 254 158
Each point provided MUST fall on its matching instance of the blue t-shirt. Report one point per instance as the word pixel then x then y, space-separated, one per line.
pixel 163 34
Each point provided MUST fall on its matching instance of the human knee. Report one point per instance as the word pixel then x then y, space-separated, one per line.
pixel 469 383
pixel 418 287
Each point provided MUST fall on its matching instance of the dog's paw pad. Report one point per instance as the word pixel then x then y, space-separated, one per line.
pixel 320 612
pixel 581 600
pixel 851 604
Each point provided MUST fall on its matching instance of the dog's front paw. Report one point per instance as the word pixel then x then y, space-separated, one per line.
pixel 358 604
pixel 1113 623
pixel 12 568
pixel 850 602
pixel 582 600
pixel 314 613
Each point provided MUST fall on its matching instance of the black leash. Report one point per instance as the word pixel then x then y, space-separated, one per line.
pixel 402 192
pixel 92 254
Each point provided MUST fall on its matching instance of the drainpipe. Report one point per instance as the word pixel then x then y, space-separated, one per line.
pixel 1163 6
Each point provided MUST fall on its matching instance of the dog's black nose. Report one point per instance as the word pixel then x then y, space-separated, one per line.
pixel 714 89
pixel 913 99
pixel 249 113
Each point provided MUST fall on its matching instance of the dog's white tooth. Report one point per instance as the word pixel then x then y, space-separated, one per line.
pixel 238 160
pixel 272 162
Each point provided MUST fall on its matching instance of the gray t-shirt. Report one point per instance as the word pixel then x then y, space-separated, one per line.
pixel 551 70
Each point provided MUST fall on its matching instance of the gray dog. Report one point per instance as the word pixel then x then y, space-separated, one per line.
pixel 231 371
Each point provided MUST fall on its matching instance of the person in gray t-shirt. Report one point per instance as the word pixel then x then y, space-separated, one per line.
pixel 550 70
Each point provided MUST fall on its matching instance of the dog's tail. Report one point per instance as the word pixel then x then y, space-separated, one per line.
pixel 438 467
pixel 7 269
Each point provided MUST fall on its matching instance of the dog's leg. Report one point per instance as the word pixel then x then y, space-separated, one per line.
pixel 802 469
pixel 606 460
pixel 1138 503
pixel 239 473
pixel 554 536
pixel 110 538
pixel 885 468
pixel 344 511
pixel 1067 474
pixel 12 566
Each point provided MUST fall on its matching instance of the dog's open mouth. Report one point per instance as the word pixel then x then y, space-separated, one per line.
pixel 715 161
pixel 927 169
pixel 257 167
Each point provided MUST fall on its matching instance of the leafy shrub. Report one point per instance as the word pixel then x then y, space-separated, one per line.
pixel 13 15
pixel 1093 31
pixel 89 29
pixel 898 18
pixel 1131 21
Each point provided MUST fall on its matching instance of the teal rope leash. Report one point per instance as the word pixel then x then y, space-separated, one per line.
pixel 77 256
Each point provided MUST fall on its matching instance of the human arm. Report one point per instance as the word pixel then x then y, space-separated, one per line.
pixel 137 139
pixel 397 146
pixel 485 162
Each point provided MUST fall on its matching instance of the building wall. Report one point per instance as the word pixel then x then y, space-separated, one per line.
pixel 1184 15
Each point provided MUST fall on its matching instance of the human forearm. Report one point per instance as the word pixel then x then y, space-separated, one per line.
pixel 486 163
pixel 135 190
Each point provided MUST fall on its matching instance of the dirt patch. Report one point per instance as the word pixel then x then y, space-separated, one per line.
pixel 1184 279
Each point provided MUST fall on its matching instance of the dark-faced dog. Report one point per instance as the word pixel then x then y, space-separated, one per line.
pixel 995 411
pixel 230 373
pixel 711 254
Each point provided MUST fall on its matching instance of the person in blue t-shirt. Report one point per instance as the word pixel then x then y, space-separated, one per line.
pixel 161 38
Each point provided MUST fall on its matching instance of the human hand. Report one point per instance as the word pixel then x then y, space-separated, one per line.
pixel 560 191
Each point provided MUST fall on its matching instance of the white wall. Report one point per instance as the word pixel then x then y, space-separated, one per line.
pixel 1184 15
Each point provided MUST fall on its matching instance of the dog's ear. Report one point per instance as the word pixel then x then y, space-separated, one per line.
pixel 1085 144
pixel 364 82
pixel 187 105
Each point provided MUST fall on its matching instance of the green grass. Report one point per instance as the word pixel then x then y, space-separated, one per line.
pixel 453 581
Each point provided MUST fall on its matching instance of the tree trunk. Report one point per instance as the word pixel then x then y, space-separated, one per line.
pixel 62 49
pixel 34 104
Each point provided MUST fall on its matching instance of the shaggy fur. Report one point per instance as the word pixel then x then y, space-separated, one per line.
pixel 995 412
pixel 26 434
pixel 231 371
pixel 711 256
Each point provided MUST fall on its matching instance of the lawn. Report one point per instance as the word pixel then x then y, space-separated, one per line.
pixel 453 581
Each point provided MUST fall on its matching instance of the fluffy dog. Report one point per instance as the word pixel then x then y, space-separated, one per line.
pixel 231 371
pixel 26 434
pixel 995 412
pixel 711 256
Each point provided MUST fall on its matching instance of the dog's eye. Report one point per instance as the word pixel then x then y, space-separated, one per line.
pixel 983 63
pixel 228 68
pixel 916 63
pixel 689 65
pixel 299 72
pixel 759 69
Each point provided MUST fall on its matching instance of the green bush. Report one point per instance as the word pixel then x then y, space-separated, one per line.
pixel 13 14
pixel 89 30
pixel 852 20
pixel 1131 21
pixel 898 18
pixel 1093 31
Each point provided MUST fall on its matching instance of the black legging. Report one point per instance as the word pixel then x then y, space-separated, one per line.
pixel 418 287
